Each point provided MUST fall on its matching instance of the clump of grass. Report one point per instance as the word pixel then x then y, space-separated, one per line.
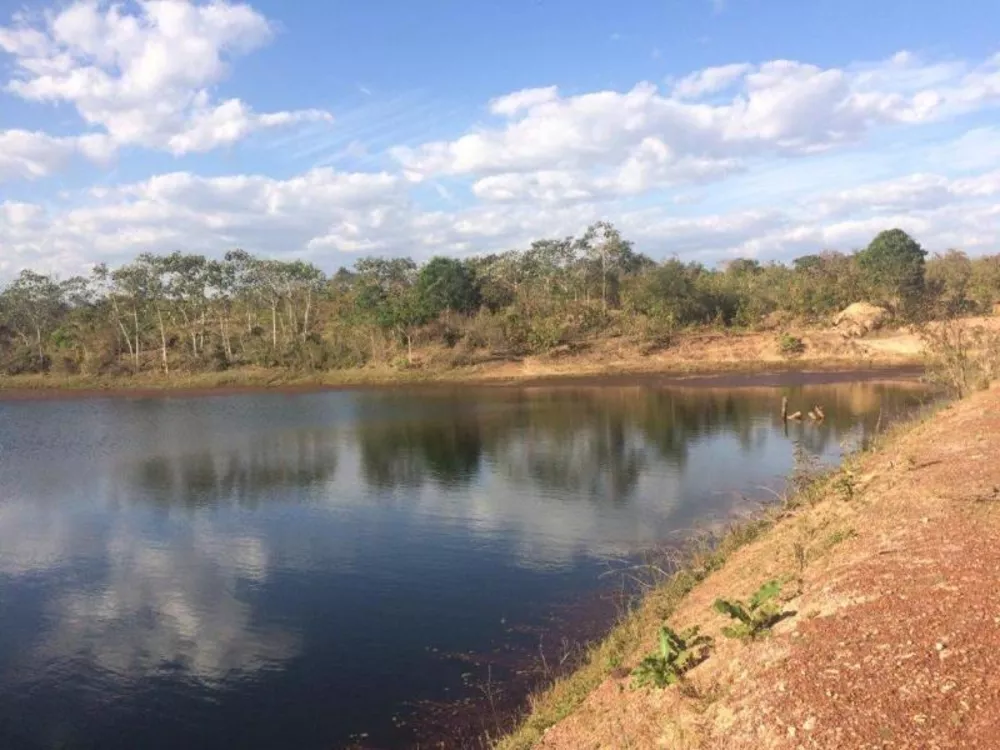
pixel 678 653
pixel 756 617
pixel 846 483
pixel 790 345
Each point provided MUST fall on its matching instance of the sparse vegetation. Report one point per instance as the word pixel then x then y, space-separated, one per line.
pixel 678 653
pixel 178 315
pixel 961 358
pixel 755 617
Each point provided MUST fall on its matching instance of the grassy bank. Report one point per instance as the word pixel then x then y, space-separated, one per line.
pixel 792 541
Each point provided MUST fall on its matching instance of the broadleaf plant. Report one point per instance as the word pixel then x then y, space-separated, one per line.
pixel 678 653
pixel 755 617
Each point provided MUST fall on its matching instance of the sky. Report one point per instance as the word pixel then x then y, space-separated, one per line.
pixel 329 130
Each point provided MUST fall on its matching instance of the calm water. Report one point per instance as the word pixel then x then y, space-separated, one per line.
pixel 274 570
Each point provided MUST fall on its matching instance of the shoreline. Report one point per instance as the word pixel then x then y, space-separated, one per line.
pixel 829 542
pixel 720 374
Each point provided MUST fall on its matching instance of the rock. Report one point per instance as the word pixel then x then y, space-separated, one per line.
pixel 860 318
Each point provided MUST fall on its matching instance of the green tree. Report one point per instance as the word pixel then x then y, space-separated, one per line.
pixel 32 305
pixel 893 266
pixel 447 284
pixel 387 293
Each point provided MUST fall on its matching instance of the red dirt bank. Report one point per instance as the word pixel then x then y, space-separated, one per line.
pixel 896 641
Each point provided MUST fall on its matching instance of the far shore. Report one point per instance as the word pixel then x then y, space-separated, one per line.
pixel 722 374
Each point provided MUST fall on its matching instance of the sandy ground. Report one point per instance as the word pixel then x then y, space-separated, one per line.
pixel 895 641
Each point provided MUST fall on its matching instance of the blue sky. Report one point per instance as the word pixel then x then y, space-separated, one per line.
pixel 705 129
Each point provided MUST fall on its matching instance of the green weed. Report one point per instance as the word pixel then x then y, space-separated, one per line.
pixel 756 617
pixel 679 652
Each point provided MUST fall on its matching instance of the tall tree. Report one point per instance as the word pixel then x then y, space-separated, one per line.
pixel 893 265
pixel 32 304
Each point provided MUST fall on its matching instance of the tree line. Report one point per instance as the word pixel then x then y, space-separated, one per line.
pixel 185 312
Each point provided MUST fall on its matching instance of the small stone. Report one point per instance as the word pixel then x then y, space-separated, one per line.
pixel 810 724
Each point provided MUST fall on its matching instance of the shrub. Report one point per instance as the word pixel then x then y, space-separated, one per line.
pixel 679 653
pixel 790 345
pixel 960 358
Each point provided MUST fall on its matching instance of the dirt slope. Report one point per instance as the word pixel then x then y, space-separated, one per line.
pixel 895 580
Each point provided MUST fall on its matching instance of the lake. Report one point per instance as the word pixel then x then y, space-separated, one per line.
pixel 311 570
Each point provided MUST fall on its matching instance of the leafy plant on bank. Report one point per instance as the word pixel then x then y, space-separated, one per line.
pixel 678 654
pixel 756 617
pixel 789 344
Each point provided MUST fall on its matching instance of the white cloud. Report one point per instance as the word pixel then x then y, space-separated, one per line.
pixel 30 154
pixel 917 191
pixel 710 80
pixel 522 100
pixel 183 211
pixel 650 164
pixel 143 77
pixel 331 217
pixel 778 108
pixel 544 164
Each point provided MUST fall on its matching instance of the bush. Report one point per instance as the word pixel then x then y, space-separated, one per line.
pixel 961 358
pixel 790 345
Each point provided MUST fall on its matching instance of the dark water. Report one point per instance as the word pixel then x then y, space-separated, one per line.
pixel 287 571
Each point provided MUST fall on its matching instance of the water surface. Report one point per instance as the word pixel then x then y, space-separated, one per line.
pixel 297 570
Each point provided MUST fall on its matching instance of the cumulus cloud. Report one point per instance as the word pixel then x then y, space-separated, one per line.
pixel 778 108
pixel 143 74
pixel 32 154
pixel 543 164
pixel 917 191
pixel 710 80
pixel 332 217
pixel 519 101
